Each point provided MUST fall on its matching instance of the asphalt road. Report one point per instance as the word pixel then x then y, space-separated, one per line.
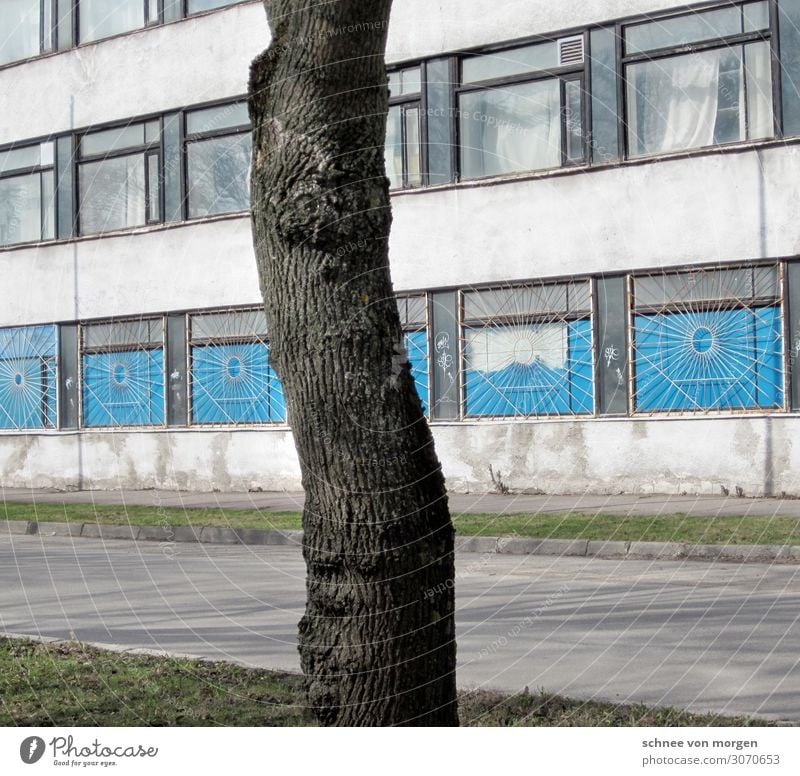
pixel 702 636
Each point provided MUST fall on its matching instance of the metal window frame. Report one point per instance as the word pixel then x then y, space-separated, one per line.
pixel 146 150
pixel 570 316
pixel 76 23
pixel 231 340
pixel 753 303
pixel 580 73
pixel 418 100
pixel 123 348
pixel 769 35
pixel 414 328
pixel 39 170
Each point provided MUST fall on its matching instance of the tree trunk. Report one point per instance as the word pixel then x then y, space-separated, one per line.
pixel 377 641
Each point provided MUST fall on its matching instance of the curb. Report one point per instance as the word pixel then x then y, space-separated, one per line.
pixel 514 545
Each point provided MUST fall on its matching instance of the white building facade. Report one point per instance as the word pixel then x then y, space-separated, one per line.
pixel 594 245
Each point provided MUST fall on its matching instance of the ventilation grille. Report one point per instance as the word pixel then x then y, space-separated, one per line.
pixel 570 50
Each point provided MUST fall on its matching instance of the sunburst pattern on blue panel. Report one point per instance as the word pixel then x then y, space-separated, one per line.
pixel 417 346
pixel 28 377
pixel 235 384
pixel 525 370
pixel 711 360
pixel 123 388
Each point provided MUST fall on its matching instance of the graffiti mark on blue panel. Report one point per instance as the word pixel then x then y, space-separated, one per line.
pixel 528 370
pixel 235 384
pixel 729 359
pixel 124 388
pixel 28 377
pixel 417 347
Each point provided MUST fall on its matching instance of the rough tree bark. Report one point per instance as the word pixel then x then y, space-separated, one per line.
pixel 377 641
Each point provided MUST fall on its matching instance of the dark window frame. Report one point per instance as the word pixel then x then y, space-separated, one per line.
pixel 411 101
pixel 187 138
pixel 564 74
pixel 769 35
pixel 148 150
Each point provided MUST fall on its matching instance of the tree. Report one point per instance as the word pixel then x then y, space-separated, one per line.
pixel 377 640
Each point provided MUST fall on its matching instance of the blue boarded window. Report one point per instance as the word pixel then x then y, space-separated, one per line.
pixel 28 377
pixel 528 351
pixel 708 340
pixel 414 317
pixel 123 374
pixel 232 379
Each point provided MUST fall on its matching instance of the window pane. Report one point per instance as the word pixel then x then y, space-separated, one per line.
pixel 759 90
pixel 511 129
pixel 48 205
pixel 20 209
pixel 722 359
pixel 755 16
pixel 417 348
pixel 217 118
pixel 109 335
pixel 21 158
pixel 196 6
pixel 112 194
pixel 28 377
pixel 574 120
pixel 101 18
pixel 219 175
pixel 124 388
pixel 115 139
pixel 19 29
pixel 413 147
pixel 235 384
pixel 513 62
pixel 236 325
pixel 410 80
pixel 393 153
pixel 525 370
pixel 696 100
pixel 679 30
pixel 153 189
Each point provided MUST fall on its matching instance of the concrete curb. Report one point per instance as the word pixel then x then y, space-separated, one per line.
pixel 504 545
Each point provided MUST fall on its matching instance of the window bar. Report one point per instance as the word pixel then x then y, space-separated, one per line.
pixel 775 63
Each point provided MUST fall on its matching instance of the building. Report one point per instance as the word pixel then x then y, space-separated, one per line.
pixel 595 244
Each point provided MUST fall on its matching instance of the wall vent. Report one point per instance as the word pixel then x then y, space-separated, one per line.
pixel 570 50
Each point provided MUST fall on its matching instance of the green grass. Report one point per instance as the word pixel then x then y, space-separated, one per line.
pixel 563 525
pixel 70 683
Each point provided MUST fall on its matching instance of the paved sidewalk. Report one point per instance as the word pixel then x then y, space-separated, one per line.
pixel 491 503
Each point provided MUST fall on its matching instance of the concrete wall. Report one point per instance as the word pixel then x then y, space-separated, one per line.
pixel 693 455
pixel 731 206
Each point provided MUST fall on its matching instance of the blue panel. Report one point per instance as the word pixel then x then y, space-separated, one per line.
pixel 235 384
pixel 729 359
pixel 124 388
pixel 417 347
pixel 527 384
pixel 28 377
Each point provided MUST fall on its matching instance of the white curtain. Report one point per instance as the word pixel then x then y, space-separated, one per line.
pixel 759 90
pixel 20 209
pixel 673 103
pixel 511 129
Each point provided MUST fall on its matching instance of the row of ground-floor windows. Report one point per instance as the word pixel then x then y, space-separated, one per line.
pixel 698 340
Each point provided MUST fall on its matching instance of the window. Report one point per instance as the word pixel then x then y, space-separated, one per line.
pixel 527 350
pixel 122 366
pixel 218 149
pixel 231 377
pixel 198 6
pixel 103 18
pixel 27 29
pixel 708 340
pixel 522 109
pixel 414 317
pixel 720 92
pixel 119 180
pixel 403 152
pixel 26 194
pixel 28 377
